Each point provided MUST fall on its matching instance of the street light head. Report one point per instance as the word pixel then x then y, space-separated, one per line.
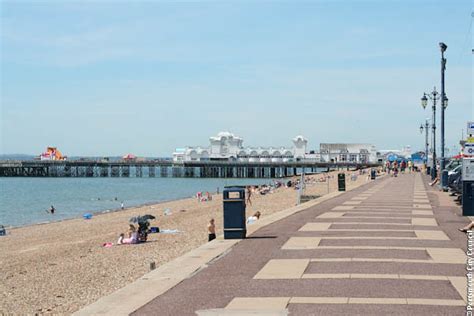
pixel 424 101
pixel 443 47
pixel 445 102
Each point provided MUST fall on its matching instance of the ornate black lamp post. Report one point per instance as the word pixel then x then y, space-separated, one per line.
pixel 433 96
pixel 426 129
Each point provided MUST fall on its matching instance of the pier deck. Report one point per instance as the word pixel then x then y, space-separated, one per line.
pixel 167 168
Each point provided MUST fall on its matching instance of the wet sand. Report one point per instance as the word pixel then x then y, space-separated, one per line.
pixel 60 267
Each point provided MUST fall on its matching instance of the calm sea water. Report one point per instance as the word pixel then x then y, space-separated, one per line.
pixel 24 201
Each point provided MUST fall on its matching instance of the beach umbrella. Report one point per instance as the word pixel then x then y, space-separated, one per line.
pixel 141 219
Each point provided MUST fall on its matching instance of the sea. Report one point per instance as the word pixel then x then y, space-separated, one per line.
pixel 26 201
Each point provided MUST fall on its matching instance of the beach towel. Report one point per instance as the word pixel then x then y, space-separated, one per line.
pixel 169 231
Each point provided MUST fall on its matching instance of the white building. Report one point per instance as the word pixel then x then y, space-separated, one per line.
pixel 227 146
pixel 348 152
pixel 405 152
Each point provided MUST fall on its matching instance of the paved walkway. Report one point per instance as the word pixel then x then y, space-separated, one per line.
pixel 387 247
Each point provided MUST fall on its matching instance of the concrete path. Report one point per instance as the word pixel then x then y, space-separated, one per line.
pixel 388 247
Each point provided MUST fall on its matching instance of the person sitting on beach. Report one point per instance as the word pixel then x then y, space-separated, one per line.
pixel 132 236
pixel 211 230
pixel 254 218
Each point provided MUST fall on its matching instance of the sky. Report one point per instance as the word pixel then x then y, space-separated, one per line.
pixel 105 78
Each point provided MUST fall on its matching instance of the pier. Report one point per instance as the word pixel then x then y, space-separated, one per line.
pixel 168 168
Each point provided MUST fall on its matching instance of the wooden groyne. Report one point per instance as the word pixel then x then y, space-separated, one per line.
pixel 167 168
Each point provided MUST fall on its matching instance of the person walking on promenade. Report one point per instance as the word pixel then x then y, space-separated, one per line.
pixel 387 167
pixel 249 195
pixel 403 166
pixel 211 230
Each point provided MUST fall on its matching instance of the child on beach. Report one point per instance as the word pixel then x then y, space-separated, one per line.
pixel 254 218
pixel 132 236
pixel 211 229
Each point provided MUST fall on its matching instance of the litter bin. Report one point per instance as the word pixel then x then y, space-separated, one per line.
pixel 373 174
pixel 444 180
pixel 234 213
pixel 341 181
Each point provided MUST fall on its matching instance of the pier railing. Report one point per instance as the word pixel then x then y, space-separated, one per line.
pixel 168 168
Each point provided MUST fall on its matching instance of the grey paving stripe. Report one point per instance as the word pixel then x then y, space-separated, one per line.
pixel 383 215
pixel 359 253
pixel 387 268
pixel 367 309
pixel 364 220
pixel 381 226
pixel 357 233
pixel 387 243
pixel 389 288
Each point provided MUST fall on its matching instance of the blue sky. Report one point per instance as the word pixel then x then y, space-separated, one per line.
pixel 112 77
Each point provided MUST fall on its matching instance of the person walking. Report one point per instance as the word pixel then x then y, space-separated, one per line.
pixel 211 230
pixel 249 195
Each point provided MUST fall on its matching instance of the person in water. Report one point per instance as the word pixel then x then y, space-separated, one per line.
pixel 52 209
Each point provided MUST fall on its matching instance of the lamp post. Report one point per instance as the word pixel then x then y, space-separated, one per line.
pixel 433 96
pixel 426 128
pixel 444 103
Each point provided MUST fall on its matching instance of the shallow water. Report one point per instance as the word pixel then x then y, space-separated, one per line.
pixel 24 201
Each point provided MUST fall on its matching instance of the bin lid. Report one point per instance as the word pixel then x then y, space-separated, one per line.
pixel 234 188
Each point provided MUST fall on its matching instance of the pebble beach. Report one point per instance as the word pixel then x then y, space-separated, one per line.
pixel 61 267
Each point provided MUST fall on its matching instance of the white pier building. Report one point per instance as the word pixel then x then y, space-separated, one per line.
pixel 338 152
pixel 227 146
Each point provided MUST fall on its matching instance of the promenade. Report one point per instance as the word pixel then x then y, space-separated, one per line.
pixel 388 247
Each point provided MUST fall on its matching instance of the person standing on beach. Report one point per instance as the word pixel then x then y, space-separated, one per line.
pixel 249 195
pixel 211 230
pixel 121 205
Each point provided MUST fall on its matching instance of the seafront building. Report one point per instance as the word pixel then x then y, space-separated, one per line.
pixel 339 152
pixel 227 146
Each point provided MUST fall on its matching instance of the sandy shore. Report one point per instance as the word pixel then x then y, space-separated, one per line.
pixel 60 267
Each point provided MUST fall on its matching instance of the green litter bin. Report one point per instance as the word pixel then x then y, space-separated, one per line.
pixel 341 182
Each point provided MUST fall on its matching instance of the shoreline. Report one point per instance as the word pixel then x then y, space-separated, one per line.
pixel 114 210
pixel 62 267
